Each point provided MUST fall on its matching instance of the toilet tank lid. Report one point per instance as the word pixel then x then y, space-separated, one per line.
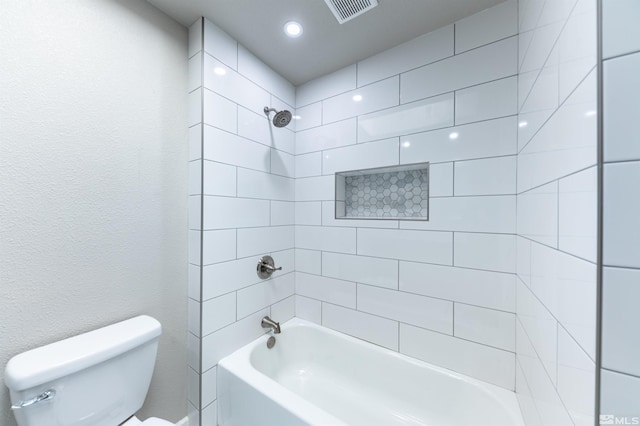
pixel 59 359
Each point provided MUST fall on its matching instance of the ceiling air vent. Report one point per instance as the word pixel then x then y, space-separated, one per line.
pixel 346 10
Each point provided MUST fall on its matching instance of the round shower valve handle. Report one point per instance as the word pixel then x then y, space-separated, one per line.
pixel 266 267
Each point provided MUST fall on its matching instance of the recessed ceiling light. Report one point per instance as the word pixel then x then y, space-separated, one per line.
pixel 219 70
pixel 357 98
pixel 454 136
pixel 293 29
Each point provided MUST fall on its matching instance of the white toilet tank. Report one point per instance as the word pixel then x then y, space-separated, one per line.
pixel 98 378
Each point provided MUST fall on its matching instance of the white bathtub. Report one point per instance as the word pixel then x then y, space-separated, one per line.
pixel 318 376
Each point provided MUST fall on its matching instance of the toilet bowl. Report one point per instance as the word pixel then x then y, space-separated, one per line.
pixel 99 378
pixel 151 421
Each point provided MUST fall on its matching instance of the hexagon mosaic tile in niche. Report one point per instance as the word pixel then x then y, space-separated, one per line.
pixel 398 194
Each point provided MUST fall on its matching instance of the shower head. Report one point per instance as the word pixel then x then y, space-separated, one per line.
pixel 281 118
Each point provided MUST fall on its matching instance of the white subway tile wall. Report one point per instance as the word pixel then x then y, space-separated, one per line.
pixel 407 284
pixel 501 117
pixel 620 373
pixel 242 186
pixel 556 222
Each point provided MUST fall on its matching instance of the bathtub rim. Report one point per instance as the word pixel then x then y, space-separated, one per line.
pixel 238 361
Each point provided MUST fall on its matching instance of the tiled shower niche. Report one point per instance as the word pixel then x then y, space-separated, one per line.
pixel 395 193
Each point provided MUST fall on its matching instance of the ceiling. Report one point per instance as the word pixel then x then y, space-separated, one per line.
pixel 325 45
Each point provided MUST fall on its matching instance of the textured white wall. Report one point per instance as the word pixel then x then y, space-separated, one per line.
pixel 93 149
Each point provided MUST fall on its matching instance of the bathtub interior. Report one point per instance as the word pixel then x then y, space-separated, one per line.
pixel 363 384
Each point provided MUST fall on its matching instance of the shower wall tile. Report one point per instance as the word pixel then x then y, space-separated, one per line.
pixel 254 184
pixel 576 379
pixel 338 292
pixel 425 312
pixel 578 214
pixel 474 287
pixel 309 261
pixel 224 147
pixel 620 219
pixel 621 93
pixel 486 326
pixel 261 74
pixel 486 27
pixel 496 214
pixel 367 270
pixel 283 163
pixel 340 240
pixel 285 309
pixel 226 277
pixel 621 292
pixel 194 76
pixel 491 138
pixel 195 177
pixel 491 62
pixel 234 86
pixel 326 86
pixel 432 113
pixel 209 388
pixel 620 394
pixel 557 143
pixel 315 188
pixel 195 142
pixel 219 112
pixel 620 33
pixel 220 45
pixel 308 116
pixel 362 156
pixel 282 213
pixel 242 173
pixel 218 312
pixel 441 180
pixel 194 101
pixel 538 214
pixel 374 97
pixel 257 241
pixel 195 37
pixel 419 246
pixel 254 126
pixel 219 179
pixel 491 176
pixel 218 246
pixel 487 101
pixel 491 252
pixel 352 273
pixel 265 293
pixel 195 203
pixel 223 342
pixel 308 309
pixel 334 135
pixel 309 213
pixel 372 328
pixel 225 212
pixel 308 165
pixel 423 50
pixel 482 362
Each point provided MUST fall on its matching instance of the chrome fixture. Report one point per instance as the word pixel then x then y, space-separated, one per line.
pixel 268 323
pixel 281 119
pixel 266 267
pixel 44 396
pixel 271 342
